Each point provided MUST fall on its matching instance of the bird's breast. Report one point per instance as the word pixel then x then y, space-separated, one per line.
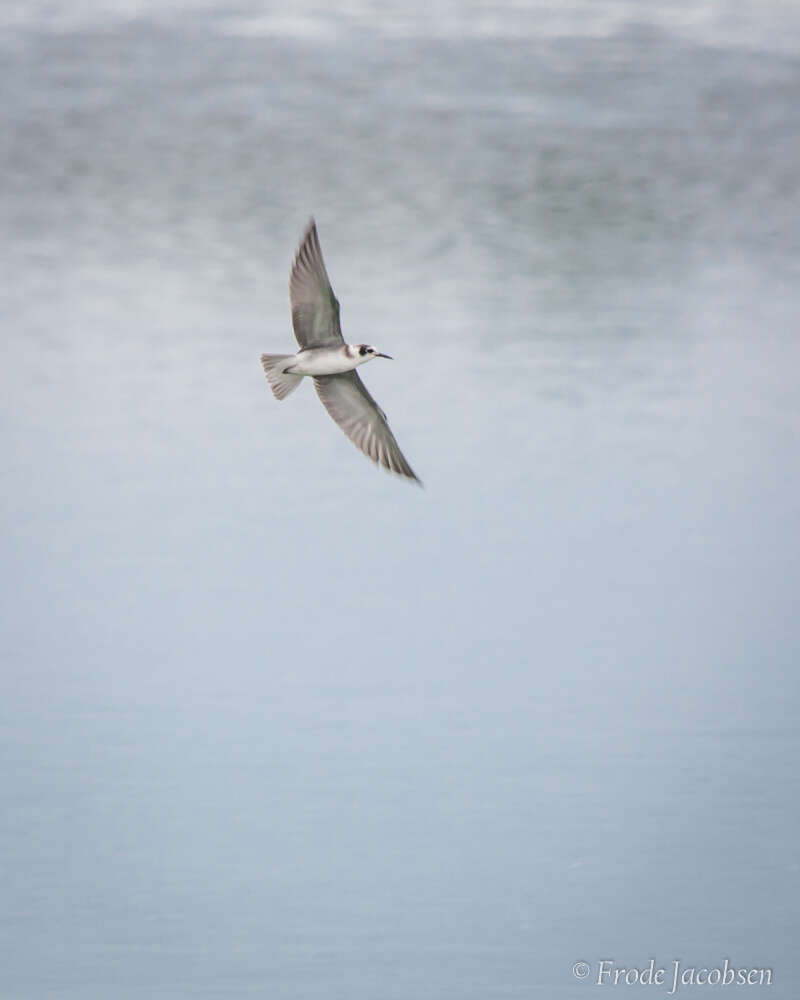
pixel 321 361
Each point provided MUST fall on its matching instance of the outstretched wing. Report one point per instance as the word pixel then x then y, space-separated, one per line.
pixel 315 311
pixel 346 398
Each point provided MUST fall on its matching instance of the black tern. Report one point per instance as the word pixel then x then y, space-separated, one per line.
pixel 330 362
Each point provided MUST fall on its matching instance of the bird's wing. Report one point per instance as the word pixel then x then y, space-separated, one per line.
pixel 315 311
pixel 346 398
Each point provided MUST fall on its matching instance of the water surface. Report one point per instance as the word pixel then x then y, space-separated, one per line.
pixel 276 724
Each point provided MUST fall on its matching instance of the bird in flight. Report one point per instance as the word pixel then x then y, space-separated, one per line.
pixel 330 362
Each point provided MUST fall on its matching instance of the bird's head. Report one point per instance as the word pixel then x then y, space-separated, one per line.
pixel 366 353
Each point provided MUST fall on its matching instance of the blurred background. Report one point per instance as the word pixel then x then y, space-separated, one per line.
pixel 277 724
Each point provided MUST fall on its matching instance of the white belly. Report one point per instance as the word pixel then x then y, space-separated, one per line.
pixel 321 361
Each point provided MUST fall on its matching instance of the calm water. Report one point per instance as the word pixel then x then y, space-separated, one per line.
pixel 275 724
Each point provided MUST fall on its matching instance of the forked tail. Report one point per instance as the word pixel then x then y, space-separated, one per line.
pixel 280 381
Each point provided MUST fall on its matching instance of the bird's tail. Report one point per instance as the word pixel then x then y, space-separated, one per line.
pixel 281 382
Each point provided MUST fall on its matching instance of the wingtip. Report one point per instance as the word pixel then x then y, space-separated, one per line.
pixel 408 474
pixel 309 243
pixel 407 477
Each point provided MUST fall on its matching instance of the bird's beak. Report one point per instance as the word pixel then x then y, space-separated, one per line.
pixel 379 355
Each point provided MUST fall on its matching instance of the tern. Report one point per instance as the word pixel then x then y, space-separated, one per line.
pixel 330 362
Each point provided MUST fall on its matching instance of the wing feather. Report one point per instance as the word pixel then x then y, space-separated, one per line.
pixel 346 398
pixel 315 309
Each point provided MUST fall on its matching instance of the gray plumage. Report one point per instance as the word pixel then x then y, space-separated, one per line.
pixel 347 400
pixel 315 309
pixel 331 362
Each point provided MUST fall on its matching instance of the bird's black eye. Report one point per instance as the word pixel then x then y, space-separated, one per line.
pixel 363 350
